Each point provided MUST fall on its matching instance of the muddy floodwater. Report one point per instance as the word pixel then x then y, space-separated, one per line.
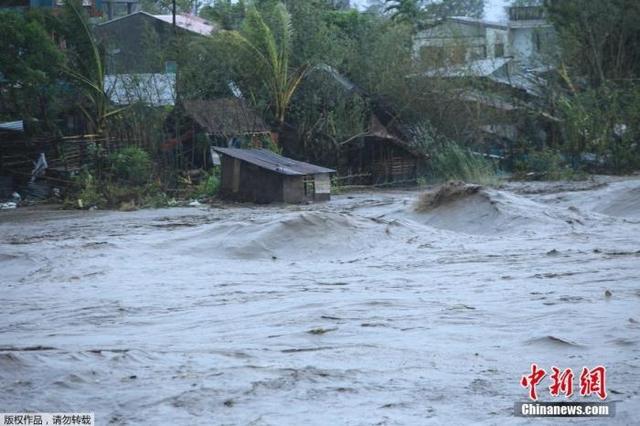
pixel 359 311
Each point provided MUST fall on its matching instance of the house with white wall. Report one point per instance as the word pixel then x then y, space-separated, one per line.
pixel 498 68
pixel 530 34
pixel 526 37
pixel 461 39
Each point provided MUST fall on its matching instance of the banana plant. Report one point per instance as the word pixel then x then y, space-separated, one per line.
pixel 90 78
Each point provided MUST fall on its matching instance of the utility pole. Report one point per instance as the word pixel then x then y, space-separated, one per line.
pixel 174 15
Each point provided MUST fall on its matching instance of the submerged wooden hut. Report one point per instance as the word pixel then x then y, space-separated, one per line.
pixel 262 176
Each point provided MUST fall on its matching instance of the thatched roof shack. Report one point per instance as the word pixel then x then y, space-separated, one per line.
pixel 386 152
pixel 226 117
pixel 262 176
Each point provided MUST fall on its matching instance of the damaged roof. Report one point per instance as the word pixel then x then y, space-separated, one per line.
pixel 271 161
pixel 225 117
pixel 477 68
pixel 479 22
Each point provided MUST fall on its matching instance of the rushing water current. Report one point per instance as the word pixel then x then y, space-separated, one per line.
pixel 358 311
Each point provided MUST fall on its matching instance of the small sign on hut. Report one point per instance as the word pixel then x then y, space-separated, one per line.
pixel 262 176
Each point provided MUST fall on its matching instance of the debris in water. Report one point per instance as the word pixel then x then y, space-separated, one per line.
pixel 608 293
pixel 8 205
pixel 321 330
pixel 128 206
pixel 444 194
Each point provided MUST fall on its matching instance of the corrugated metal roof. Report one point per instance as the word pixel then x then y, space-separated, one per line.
pixel 190 23
pixel 271 161
pixel 479 22
pixel 477 68
pixel 150 89
pixel 14 126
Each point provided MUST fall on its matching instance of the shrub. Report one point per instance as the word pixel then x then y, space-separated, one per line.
pixel 88 194
pixel 209 186
pixel 546 164
pixel 131 165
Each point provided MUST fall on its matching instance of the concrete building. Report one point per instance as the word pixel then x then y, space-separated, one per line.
pixel 460 39
pixel 527 37
pixel 530 35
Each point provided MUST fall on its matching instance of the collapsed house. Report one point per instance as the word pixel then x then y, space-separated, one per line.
pixel 387 153
pixel 384 151
pixel 35 165
pixel 262 176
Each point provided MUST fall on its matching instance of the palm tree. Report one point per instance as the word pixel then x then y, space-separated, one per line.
pixel 271 49
pixel 89 72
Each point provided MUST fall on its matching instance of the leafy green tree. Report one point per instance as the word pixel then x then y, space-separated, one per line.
pixel 29 64
pixel 228 14
pixel 166 6
pixel 471 8
pixel 421 13
pixel 599 70
pixel 600 40
pixel 410 11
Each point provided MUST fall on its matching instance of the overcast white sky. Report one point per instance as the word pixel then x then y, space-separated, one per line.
pixel 493 11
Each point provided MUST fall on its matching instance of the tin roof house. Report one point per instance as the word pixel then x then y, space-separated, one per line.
pixel 262 176
pixel 133 41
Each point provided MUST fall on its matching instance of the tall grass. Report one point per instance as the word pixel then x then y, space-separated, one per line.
pixel 452 162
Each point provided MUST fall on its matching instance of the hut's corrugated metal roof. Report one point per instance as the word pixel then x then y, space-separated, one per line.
pixel 271 161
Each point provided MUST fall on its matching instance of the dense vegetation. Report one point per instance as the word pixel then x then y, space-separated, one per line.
pixel 284 57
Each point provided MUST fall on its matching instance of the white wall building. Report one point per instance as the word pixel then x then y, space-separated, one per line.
pixel 526 37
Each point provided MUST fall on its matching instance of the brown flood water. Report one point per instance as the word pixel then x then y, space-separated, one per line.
pixel 358 311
